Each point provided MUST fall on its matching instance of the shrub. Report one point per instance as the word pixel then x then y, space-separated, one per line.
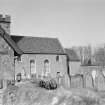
pixel 49 84
pixel 53 84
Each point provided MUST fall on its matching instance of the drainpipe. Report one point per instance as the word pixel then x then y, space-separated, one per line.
pixel 14 67
pixel 68 69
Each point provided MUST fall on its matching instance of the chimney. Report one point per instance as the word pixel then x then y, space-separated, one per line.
pixel 5 22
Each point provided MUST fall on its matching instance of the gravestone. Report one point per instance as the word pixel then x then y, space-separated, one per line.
pixel 89 81
pixel 101 82
pixel 76 82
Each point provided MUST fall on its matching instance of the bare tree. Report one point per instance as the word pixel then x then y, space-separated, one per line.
pixel 86 55
pixel 100 57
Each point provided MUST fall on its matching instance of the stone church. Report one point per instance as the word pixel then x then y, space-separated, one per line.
pixel 29 56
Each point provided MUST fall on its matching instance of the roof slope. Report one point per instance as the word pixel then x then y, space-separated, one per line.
pixel 72 55
pixel 8 39
pixel 38 45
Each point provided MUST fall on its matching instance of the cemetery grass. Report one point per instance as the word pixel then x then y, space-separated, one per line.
pixel 30 94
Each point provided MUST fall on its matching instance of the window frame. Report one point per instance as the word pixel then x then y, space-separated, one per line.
pixel 46 72
pixel 32 61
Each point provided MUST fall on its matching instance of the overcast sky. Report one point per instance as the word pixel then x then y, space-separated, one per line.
pixel 74 22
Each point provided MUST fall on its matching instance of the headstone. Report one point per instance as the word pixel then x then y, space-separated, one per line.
pixel 94 74
pixel 89 83
pixel 101 82
pixel 76 82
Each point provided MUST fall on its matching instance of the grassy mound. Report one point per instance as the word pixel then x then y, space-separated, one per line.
pixel 29 94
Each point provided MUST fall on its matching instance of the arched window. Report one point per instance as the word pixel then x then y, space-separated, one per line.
pixel 46 67
pixel 32 67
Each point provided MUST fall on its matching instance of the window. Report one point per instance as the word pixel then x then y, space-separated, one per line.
pixel 57 58
pixel 46 67
pixel 32 67
pixel 1 84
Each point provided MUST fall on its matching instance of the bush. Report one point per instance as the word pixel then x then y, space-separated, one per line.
pixel 47 85
pixel 51 84
pixel 41 83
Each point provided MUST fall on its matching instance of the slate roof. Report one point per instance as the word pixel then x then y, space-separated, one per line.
pixel 38 45
pixel 72 54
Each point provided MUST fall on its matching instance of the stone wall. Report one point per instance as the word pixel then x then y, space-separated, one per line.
pixel 55 66
pixel 6 60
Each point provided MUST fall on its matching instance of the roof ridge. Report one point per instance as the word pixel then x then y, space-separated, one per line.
pixel 35 37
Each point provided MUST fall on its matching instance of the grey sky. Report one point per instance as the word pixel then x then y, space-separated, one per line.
pixel 74 22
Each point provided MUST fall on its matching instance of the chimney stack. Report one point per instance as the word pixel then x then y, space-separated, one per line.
pixel 5 22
